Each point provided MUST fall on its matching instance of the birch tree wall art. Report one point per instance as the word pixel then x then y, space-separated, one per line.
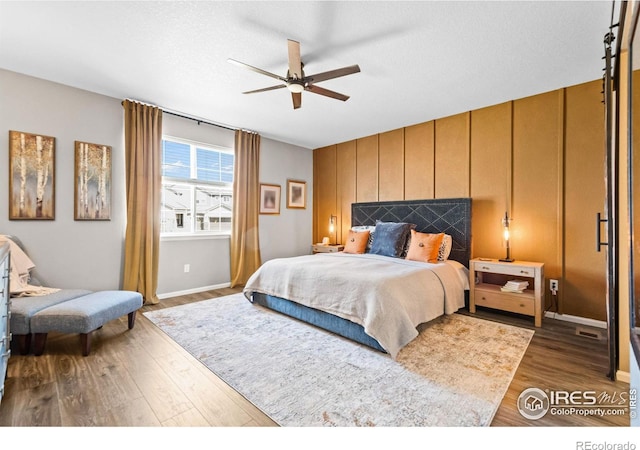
pixel 92 181
pixel 31 177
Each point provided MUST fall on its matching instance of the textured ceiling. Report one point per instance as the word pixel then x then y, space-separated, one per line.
pixel 419 60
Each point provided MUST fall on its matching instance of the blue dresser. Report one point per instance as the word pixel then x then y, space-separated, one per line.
pixel 5 314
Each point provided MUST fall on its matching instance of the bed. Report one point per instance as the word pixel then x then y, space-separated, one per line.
pixel 374 299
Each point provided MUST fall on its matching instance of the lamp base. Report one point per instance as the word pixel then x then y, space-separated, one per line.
pixel 506 260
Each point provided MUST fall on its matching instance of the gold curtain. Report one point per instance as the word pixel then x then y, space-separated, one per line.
pixel 143 153
pixel 245 243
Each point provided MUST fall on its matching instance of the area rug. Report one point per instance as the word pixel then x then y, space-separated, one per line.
pixel 455 373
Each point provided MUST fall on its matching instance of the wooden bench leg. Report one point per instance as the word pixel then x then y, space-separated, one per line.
pixel 40 341
pixel 24 343
pixel 85 341
pixel 132 319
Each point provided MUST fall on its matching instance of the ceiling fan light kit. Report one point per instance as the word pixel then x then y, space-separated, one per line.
pixel 295 86
pixel 296 81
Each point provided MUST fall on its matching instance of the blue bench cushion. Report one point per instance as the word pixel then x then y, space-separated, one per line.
pixel 87 313
pixel 23 308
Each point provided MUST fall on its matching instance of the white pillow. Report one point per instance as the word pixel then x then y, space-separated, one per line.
pixel 445 248
pixel 363 227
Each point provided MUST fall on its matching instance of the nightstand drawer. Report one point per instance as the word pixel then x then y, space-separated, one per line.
pixel 327 248
pixel 504 269
pixel 516 303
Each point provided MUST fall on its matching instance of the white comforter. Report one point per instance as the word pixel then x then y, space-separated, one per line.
pixel 389 297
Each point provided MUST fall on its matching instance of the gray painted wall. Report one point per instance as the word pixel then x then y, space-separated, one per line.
pixel 287 234
pixel 67 253
pixel 88 254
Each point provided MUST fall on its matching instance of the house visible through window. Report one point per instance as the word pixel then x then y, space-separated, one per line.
pixel 197 187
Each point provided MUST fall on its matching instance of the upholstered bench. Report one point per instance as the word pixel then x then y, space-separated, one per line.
pixel 23 309
pixel 84 315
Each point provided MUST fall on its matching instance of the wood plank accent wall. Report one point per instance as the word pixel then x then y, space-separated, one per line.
pixel 452 156
pixel 536 179
pixel 367 169
pixel 584 187
pixel 324 199
pixel 419 162
pixel 391 169
pixel 346 186
pixel 490 177
pixel 540 158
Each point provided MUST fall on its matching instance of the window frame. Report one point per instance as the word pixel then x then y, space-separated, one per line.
pixel 193 184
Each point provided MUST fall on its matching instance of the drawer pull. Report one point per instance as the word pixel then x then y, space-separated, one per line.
pixel 486 268
pixel 526 272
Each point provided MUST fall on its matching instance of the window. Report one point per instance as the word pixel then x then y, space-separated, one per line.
pixel 197 187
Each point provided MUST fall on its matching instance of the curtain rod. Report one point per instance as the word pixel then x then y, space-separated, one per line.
pixel 195 119
pixel 183 116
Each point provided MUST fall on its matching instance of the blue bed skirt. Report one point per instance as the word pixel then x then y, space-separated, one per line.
pixel 321 319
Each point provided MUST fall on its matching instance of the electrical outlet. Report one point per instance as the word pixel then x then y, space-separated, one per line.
pixel 553 285
pixel 187 267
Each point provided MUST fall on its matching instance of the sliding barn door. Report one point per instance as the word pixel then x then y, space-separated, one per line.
pixel 610 215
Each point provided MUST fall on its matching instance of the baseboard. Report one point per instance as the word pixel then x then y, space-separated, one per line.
pixel 193 291
pixel 625 377
pixel 576 319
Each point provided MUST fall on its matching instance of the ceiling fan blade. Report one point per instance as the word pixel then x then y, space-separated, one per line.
pixel 326 92
pixel 271 88
pixel 297 99
pixel 323 76
pixel 295 65
pixel 255 69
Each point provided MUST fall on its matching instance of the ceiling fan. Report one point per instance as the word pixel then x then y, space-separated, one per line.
pixel 296 81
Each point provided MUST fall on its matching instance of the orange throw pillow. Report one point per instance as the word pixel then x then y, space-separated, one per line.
pixel 356 242
pixel 424 246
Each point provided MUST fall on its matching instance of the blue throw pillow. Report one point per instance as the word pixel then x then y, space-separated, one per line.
pixel 390 237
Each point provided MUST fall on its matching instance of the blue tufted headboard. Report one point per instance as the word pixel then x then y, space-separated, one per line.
pixel 447 215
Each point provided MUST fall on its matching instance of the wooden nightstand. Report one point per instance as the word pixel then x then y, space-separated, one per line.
pixel 491 296
pixel 319 248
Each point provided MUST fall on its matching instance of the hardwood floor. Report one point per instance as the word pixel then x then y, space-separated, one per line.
pixel 557 359
pixel 143 378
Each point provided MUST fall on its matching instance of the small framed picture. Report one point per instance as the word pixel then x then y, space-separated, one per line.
pixel 31 176
pixel 296 194
pixel 269 199
pixel 92 181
